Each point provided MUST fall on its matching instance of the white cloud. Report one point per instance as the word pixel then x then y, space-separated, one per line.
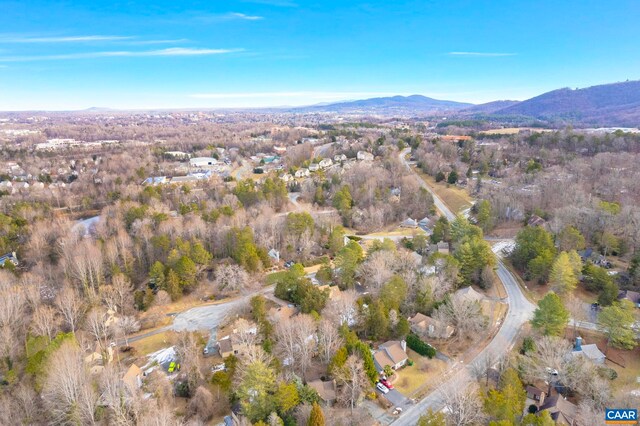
pixel 62 39
pixel 246 17
pixel 224 17
pixel 173 51
pixel 485 54
pixel 148 42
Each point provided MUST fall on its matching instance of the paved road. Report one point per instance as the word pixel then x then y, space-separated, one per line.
pixel 519 312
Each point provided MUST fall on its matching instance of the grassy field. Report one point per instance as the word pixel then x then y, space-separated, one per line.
pixel 424 371
pixel 275 277
pixel 398 232
pixel 457 199
pixel 154 343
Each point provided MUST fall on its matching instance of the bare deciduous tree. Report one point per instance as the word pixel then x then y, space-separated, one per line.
pixel 354 382
pixel 463 405
pixel 329 339
pixel 67 393
pixel 188 352
pixel 44 321
pixel 230 278
pixel 71 307
pixel 202 404
pixel 464 315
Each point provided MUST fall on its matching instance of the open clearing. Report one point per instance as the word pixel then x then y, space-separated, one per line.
pixel 457 199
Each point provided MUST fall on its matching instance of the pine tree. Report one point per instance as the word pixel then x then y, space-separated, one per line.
pixel 551 317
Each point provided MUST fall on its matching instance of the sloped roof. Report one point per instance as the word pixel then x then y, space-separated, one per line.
pixel 326 390
pixel 469 294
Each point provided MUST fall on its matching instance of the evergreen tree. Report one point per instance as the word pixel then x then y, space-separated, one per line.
pixel 550 317
pixel 316 417
pixel 617 321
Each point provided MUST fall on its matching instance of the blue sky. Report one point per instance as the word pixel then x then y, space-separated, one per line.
pixel 241 53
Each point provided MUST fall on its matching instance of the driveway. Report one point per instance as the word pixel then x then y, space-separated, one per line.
pixel 395 398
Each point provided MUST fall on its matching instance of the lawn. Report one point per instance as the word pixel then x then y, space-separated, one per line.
pixel 154 343
pixel 275 277
pixel 457 199
pixel 423 372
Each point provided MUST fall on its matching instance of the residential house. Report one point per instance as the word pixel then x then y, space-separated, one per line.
pixel 334 291
pixel 427 225
pixel 225 347
pixel 443 247
pixel 562 411
pixel 9 257
pixel 338 158
pixel 409 223
pixel 364 156
pixel 184 179
pixel 133 378
pixel 286 177
pixel 280 149
pixel 300 173
pixel 535 220
pixel 591 352
pixel 156 180
pixel 536 395
pixel 202 161
pixel 325 163
pixel 314 167
pixel 632 296
pixel 469 294
pixel 274 254
pixel 392 353
pixel 425 326
pixel 326 390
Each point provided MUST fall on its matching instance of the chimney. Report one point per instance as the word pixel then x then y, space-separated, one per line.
pixel 403 345
pixel 578 345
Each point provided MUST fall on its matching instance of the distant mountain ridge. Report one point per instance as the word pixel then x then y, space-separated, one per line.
pixel 389 105
pixel 489 107
pixel 615 104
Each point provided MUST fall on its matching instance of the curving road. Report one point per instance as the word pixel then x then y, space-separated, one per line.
pixel 519 312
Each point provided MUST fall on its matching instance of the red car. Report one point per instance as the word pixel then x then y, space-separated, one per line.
pixel 386 383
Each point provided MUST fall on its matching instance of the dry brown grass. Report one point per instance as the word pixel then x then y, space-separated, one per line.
pixel 424 371
pixel 457 199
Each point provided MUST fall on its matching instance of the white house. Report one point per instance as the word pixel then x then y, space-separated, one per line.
pixel 314 167
pixel 203 161
pixel 274 254
pixel 325 163
pixel 302 173
pixel 339 158
pixel 286 177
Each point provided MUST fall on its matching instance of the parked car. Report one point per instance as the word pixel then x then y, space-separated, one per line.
pixel 382 388
pixel 386 383
pixel 397 411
